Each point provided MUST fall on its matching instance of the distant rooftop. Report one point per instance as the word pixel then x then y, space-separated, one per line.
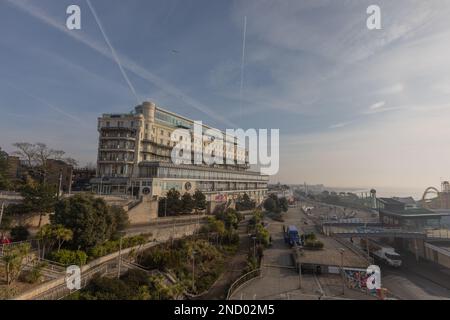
pixel 390 201
pixel 406 200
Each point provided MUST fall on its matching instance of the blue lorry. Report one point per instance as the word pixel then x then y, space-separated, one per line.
pixel 292 236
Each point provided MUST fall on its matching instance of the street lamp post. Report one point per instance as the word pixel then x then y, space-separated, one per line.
pixel 193 271
pixel 120 256
pixel 101 185
pixel 1 212
pixel 341 251
pixel 59 184
pixel 165 207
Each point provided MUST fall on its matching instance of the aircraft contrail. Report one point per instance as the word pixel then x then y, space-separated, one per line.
pixel 242 63
pixel 115 56
pixel 130 65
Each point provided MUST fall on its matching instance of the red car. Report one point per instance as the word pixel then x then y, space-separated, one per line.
pixel 5 240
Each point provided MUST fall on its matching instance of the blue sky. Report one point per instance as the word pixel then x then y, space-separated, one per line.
pixel 354 107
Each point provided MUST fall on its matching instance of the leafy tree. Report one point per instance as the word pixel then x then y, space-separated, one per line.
pixel 214 225
pixel 4 181
pixel 245 203
pixel 19 233
pixel 174 203
pixel 61 234
pixel 13 259
pixel 270 205
pixel 262 235
pixel 39 198
pixel 120 220
pixel 46 239
pixel 6 222
pixel 230 217
pixel 199 200
pixel 91 220
pixel 171 205
pixel 187 203
pixel 283 204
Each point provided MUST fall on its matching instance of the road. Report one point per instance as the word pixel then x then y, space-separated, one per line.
pixel 280 280
pixel 417 281
pixel 414 280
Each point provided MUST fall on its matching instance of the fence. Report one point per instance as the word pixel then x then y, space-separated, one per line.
pixel 242 281
pixel 62 291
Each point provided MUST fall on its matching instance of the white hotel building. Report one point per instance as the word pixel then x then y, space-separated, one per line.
pixel 134 158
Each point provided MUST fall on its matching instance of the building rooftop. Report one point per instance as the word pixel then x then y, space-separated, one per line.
pixel 390 201
pixel 415 213
pixel 405 200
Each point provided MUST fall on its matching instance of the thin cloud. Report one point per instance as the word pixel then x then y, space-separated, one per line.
pixel 377 105
pixel 48 104
pixel 395 88
pixel 339 125
pixel 130 65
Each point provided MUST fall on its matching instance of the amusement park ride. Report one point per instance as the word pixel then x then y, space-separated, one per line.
pixel 441 199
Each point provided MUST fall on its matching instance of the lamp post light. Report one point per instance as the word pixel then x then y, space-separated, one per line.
pixel 122 233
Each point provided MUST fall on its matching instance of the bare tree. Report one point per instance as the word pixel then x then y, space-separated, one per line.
pixel 71 161
pixel 26 151
pixel 37 155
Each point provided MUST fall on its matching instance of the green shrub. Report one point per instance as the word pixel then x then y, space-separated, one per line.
pixel 209 262
pixel 69 257
pixel 114 245
pixel 262 235
pixel 310 236
pixel 313 244
pixel 34 275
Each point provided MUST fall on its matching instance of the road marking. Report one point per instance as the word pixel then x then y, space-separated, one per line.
pixel 319 285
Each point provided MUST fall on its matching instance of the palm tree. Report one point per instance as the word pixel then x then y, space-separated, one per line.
pixel 62 235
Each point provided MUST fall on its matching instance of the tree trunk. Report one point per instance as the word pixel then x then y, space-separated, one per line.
pixel 40 219
pixel 8 280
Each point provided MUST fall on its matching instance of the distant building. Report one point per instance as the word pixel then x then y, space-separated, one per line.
pixel 409 202
pixel 14 168
pixel 59 174
pixel 81 179
pixel 393 213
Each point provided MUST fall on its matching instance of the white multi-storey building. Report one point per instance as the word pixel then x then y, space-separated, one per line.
pixel 134 158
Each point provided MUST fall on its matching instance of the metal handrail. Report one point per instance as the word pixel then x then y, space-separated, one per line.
pixel 242 281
